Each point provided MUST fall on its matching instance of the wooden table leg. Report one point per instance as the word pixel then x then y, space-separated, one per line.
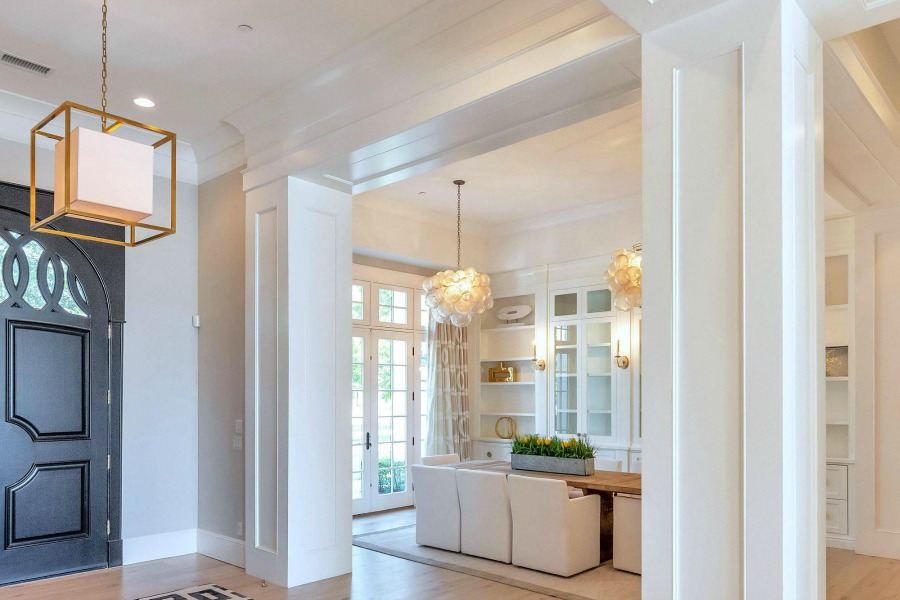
pixel 606 524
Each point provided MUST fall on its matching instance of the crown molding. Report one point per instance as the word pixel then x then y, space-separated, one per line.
pixel 18 114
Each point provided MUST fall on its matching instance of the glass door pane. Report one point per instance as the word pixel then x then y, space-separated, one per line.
pixel 423 394
pixel 359 302
pixel 393 389
pixel 359 381
pixel 600 375
pixel 394 306
pixel 565 378
pixel 598 301
pixel 565 304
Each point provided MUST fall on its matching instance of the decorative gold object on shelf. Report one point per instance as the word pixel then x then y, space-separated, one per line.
pixel 505 428
pixel 836 361
pixel 501 374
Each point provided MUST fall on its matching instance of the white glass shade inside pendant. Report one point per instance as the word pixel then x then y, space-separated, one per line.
pixel 624 278
pixel 108 176
pixel 456 296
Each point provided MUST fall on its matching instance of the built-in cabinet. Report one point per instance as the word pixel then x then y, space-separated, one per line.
pixel 839 399
pixel 574 328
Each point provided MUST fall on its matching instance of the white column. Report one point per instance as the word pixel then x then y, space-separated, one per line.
pixel 298 261
pixel 733 440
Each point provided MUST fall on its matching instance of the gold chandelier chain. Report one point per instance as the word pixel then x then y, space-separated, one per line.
pixel 103 71
pixel 458 227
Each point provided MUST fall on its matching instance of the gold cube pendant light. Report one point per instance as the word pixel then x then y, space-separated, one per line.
pixel 100 176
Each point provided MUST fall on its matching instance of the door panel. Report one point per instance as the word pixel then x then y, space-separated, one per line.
pixel 392 407
pixel 55 434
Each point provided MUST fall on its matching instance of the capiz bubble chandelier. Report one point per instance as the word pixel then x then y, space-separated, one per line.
pixel 456 296
pixel 624 278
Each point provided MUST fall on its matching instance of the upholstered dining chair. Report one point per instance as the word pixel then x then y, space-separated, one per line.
pixel 437 507
pixel 440 459
pixel 486 518
pixel 551 532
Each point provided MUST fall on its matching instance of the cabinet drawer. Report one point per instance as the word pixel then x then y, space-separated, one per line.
pixel 836 482
pixel 490 451
pixel 836 517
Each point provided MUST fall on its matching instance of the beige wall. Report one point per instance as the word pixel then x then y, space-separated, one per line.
pixel 221 353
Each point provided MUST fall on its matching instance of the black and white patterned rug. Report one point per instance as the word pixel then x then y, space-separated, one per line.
pixel 201 592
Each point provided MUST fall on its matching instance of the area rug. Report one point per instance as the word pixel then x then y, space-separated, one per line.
pixel 200 592
pixel 602 583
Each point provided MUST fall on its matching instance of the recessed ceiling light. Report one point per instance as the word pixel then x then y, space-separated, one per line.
pixel 144 102
pixel 245 28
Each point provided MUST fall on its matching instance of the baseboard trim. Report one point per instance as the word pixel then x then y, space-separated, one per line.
pixel 161 545
pixel 841 543
pixel 221 547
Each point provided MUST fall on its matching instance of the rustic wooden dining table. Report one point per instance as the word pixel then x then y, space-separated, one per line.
pixel 601 483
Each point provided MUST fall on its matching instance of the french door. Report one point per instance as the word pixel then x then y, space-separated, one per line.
pixel 386 377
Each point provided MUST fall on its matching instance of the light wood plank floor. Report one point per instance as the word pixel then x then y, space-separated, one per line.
pixel 375 577
pixel 853 576
pixel 382 577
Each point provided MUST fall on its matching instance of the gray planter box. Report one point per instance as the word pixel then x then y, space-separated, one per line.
pixel 551 464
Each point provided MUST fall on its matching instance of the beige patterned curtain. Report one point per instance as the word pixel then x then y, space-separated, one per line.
pixel 448 390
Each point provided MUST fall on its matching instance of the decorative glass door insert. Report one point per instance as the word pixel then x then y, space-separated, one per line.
pixel 565 378
pixel 600 376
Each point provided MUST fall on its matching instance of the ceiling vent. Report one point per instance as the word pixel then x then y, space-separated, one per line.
pixel 25 64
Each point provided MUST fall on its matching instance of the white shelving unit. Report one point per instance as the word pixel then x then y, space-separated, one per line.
pixel 513 344
pixel 840 435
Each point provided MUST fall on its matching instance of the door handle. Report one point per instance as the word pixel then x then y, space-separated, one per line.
pixel 368 440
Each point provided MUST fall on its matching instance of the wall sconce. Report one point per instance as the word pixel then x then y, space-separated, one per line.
pixel 538 364
pixel 621 361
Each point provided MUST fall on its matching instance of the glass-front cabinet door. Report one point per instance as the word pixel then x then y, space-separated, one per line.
pixel 565 377
pixel 599 378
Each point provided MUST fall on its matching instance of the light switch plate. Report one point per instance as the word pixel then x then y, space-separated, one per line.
pixel 239 426
pixel 237 442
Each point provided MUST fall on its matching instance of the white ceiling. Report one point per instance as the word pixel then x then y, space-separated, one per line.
pixel 592 165
pixel 188 56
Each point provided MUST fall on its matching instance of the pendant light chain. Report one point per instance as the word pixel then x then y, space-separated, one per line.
pixel 103 72
pixel 458 227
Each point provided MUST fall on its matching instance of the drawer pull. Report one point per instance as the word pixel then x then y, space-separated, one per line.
pixel 490 454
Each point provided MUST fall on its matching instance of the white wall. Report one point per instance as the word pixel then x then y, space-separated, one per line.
pixel 402 238
pixel 877 402
pixel 221 366
pixel 159 437
pixel 581 238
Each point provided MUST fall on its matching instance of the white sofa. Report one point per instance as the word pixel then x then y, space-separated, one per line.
pixel 486 525
pixel 437 507
pixel 551 532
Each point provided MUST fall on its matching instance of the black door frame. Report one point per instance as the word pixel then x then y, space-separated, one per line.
pixel 108 261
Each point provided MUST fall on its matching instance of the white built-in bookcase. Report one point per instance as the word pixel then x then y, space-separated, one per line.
pixel 840 408
pixel 575 329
